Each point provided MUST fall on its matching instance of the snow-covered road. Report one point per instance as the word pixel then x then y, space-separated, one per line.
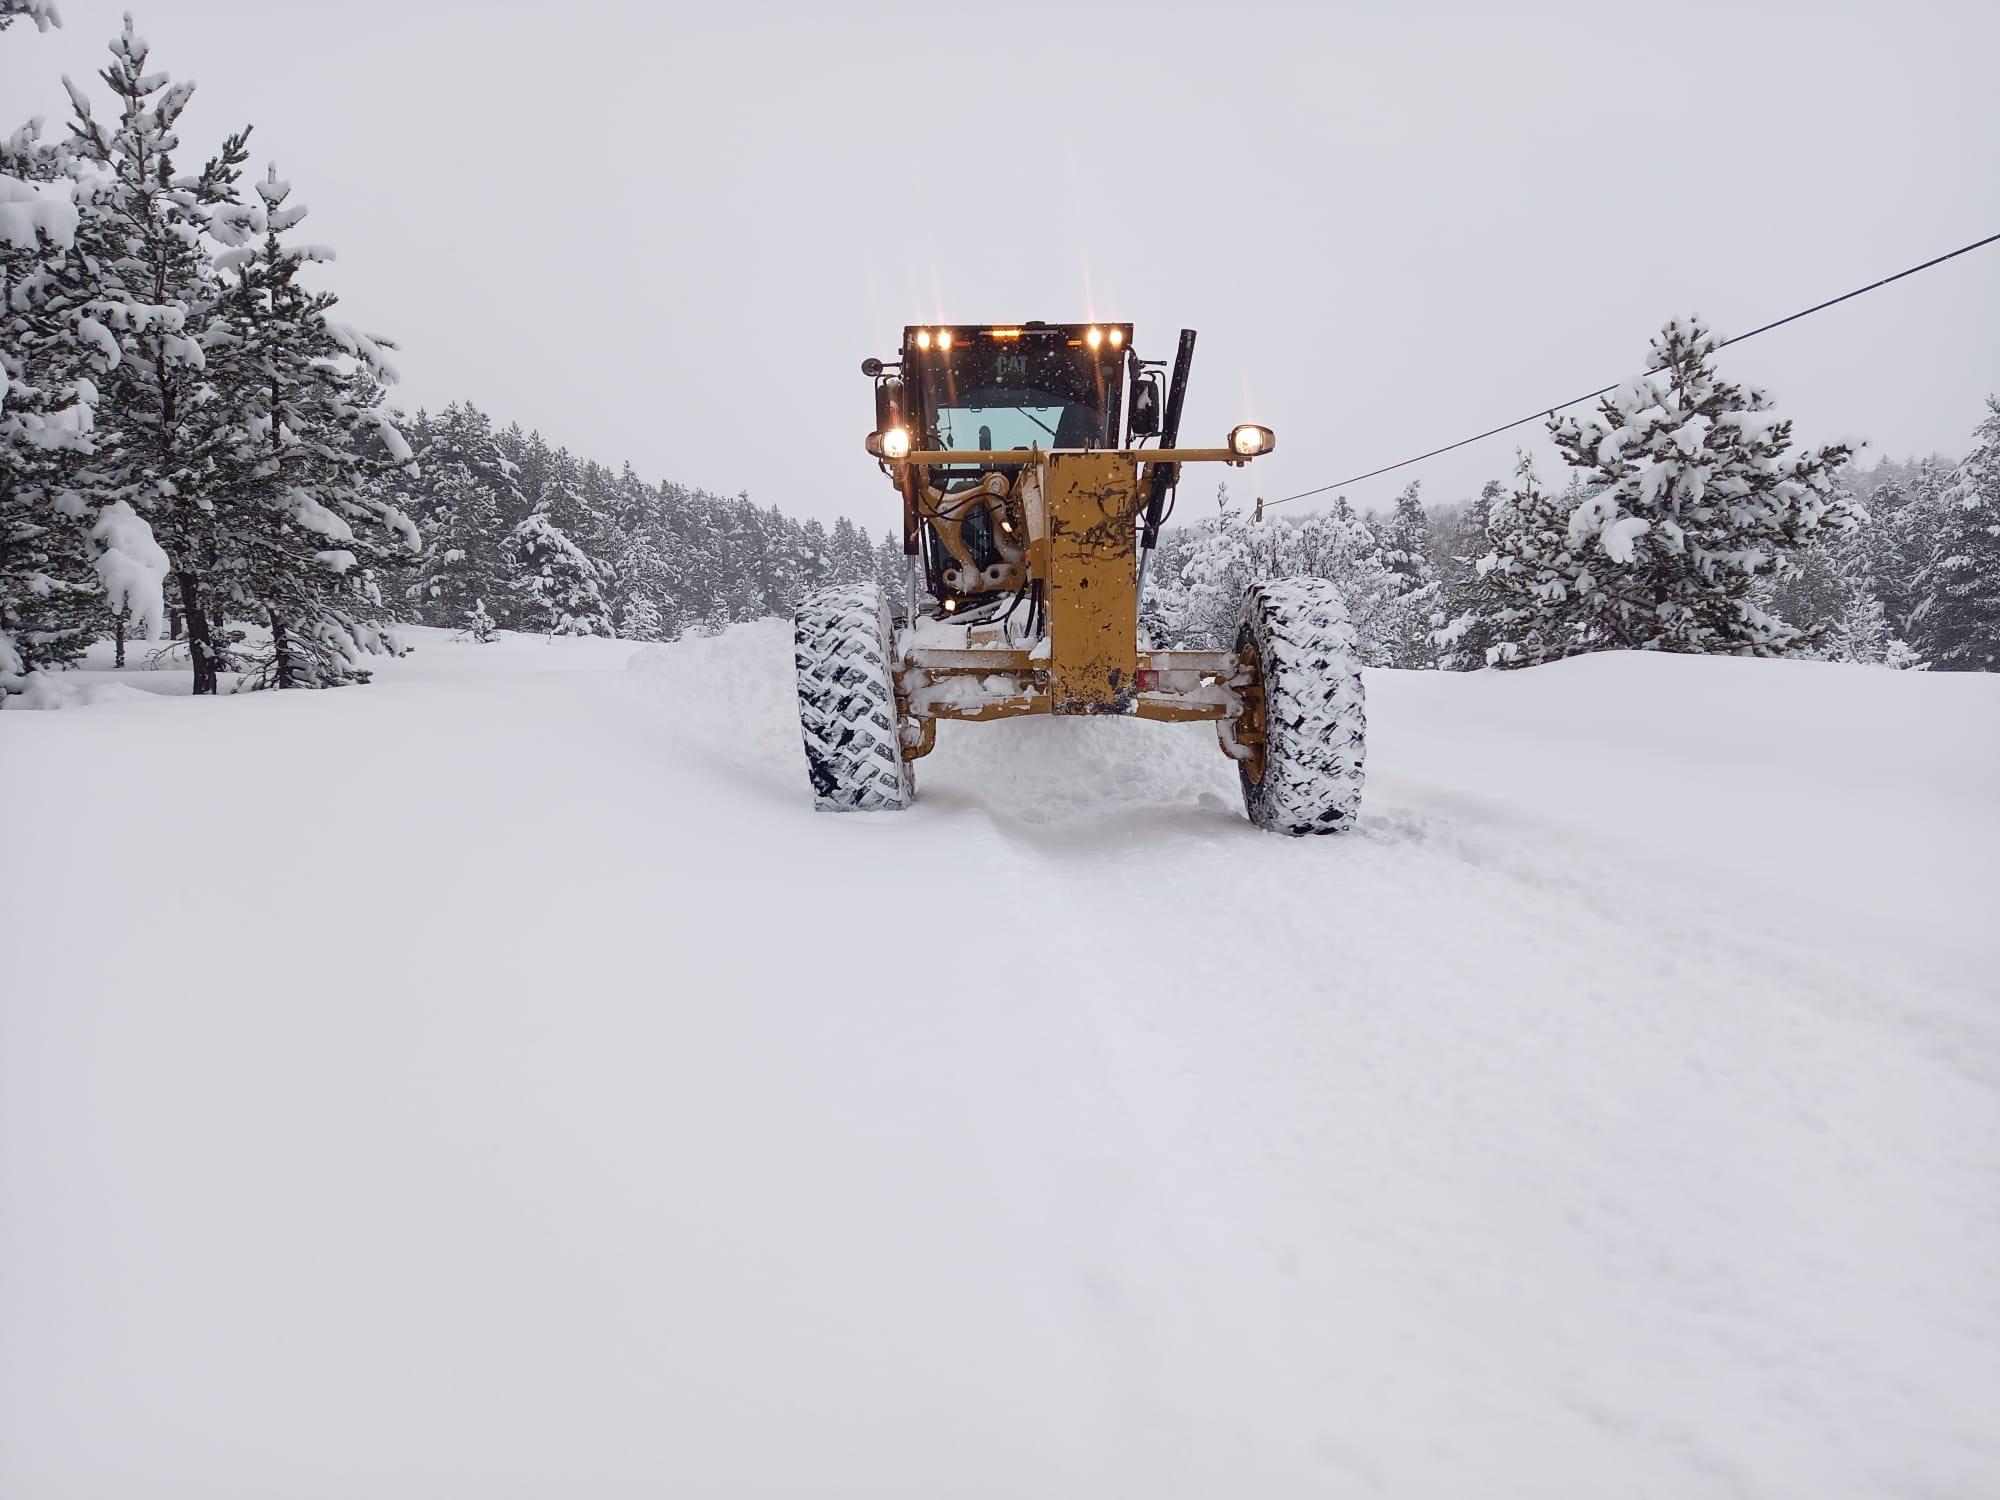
pixel 497 1082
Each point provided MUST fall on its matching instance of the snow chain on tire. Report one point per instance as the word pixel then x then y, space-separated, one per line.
pixel 1315 720
pixel 844 648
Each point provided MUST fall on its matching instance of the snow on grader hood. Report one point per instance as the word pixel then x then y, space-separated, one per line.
pixel 1031 504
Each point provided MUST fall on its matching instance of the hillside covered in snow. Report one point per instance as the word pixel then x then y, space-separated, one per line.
pixel 497 1080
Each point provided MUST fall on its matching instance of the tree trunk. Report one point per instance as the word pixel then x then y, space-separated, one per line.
pixel 201 640
pixel 118 623
pixel 281 652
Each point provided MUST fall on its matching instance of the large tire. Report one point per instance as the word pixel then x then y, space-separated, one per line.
pixel 1308 778
pixel 844 648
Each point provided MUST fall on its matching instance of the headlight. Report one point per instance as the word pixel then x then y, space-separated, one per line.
pixel 1094 337
pixel 1249 439
pixel 890 442
pixel 923 338
pixel 944 338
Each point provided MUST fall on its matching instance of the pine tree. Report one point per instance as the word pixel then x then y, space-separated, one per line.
pixel 1823 590
pixel 554 584
pixel 1406 554
pixel 50 598
pixel 1466 635
pixel 1957 618
pixel 891 567
pixel 1909 515
pixel 161 442
pixel 460 565
pixel 465 500
pixel 1341 546
pixel 1527 577
pixel 1691 496
pixel 309 521
pixel 849 558
pixel 1216 567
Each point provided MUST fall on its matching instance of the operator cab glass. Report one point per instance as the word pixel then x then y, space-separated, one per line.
pixel 1007 389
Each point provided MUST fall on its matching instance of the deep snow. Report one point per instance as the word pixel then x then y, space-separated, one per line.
pixel 497 1081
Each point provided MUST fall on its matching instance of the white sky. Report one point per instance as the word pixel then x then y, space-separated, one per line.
pixel 669 232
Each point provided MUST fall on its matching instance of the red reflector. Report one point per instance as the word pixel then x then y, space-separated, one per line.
pixel 1148 681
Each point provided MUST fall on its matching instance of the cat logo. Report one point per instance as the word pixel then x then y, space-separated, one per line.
pixel 1011 367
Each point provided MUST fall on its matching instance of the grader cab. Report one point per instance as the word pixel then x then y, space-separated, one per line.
pixel 1031 504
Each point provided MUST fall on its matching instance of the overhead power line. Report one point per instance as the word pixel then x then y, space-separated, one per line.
pixel 1542 412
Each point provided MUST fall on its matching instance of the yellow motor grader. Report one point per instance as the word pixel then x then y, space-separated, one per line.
pixel 1031 504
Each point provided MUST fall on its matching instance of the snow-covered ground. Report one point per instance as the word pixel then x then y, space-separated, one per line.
pixel 496 1081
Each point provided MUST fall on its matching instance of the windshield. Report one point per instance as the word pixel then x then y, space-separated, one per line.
pixel 999 420
pixel 997 392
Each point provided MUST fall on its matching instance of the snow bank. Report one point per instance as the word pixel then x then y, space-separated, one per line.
pixel 577 1112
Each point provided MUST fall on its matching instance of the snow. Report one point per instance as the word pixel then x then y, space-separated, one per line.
pixel 1617 537
pixel 132 567
pixel 573 1111
pixel 31 209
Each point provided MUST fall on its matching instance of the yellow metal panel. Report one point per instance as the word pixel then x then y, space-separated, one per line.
pixel 1167 710
pixel 991 708
pixel 1093 599
pixel 978 661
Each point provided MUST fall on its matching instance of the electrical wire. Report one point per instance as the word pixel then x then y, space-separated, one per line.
pixel 1541 413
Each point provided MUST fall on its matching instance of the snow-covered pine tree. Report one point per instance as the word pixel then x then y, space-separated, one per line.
pixel 553 583
pixel 1957 618
pixel 308 520
pixel 1909 515
pixel 891 567
pixel 466 502
pixel 1218 564
pixel 644 552
pixel 460 565
pixel 815 554
pixel 50 600
pixel 1405 553
pixel 1527 577
pixel 1466 635
pixel 557 586
pixel 530 461
pixel 1163 604
pixel 1340 545
pixel 848 553
pixel 1692 495
pixel 1823 591
pixel 745 558
pixel 462 433
pixel 160 443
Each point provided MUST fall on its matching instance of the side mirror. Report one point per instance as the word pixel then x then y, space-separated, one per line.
pixel 888 404
pixel 1145 419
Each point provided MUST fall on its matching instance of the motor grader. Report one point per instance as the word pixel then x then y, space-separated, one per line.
pixel 1031 505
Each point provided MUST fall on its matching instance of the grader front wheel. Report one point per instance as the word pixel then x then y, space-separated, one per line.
pixel 844 649
pixel 1303 726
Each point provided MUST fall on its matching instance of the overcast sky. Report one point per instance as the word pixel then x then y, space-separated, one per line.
pixel 669 233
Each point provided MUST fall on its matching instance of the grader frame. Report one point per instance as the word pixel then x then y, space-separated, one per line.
pixel 1083 514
